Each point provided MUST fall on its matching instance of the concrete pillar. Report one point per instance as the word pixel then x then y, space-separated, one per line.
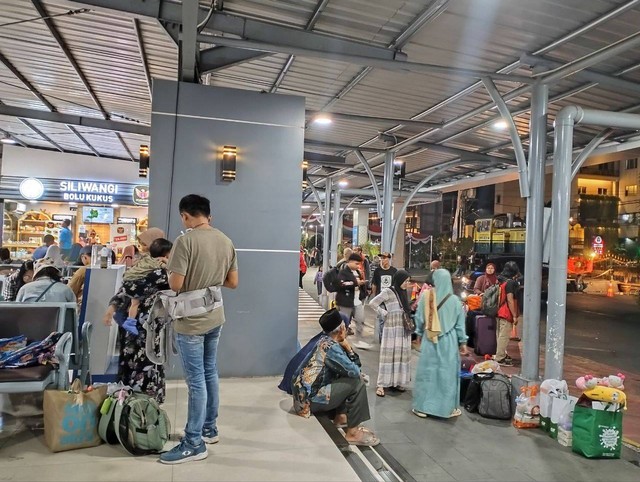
pixel 399 253
pixel 360 226
pixel 259 210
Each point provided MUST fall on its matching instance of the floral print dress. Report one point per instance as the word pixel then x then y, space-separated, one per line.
pixel 134 368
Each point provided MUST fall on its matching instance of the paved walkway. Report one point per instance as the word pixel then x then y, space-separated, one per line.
pixel 471 447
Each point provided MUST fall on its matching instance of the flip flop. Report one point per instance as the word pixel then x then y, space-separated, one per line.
pixel 419 414
pixel 380 391
pixel 368 439
pixel 456 413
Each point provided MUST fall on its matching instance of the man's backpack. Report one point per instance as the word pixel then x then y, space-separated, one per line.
pixel 331 280
pixel 135 421
pixel 491 300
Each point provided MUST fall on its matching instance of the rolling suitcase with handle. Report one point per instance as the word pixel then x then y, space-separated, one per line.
pixel 485 342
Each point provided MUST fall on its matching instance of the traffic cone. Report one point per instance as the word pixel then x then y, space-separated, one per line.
pixel 610 290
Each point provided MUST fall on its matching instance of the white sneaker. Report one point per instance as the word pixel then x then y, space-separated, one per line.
pixel 363 345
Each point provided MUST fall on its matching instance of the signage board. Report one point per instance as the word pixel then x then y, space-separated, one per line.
pixel 598 245
pixel 124 220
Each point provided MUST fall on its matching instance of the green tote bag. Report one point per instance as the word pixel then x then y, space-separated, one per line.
pixel 597 433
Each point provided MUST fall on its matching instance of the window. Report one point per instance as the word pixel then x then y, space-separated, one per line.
pixel 632 163
pixel 631 190
pixel 498 199
pixel 602 191
pixel 582 189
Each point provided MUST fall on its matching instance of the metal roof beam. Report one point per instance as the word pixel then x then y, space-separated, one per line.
pixel 86 142
pixel 368 118
pixel 604 80
pixel 35 92
pixel 12 136
pixel 143 54
pixel 76 67
pixel 320 6
pixel 188 46
pixel 26 83
pixel 332 145
pixel 41 134
pixel 217 58
pixel 324 159
pixel 256 30
pixel 75 120
pixel 287 46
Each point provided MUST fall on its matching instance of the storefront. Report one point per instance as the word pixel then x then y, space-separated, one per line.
pixel 41 189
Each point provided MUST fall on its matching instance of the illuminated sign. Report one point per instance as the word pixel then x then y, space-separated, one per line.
pixel 87 191
pixel 31 188
pixel 598 245
pixel 123 220
pixel 141 195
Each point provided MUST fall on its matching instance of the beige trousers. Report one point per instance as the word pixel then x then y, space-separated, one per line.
pixel 503 333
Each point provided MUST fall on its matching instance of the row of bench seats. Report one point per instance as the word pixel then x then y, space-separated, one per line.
pixel 37 321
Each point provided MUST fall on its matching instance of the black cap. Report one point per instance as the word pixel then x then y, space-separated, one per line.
pixel 330 320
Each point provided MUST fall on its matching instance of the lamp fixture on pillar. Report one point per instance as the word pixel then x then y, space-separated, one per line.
pixel 144 161
pixel 229 154
pixel 305 179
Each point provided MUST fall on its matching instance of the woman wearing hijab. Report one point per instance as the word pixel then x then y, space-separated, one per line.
pixel 489 278
pixel 129 256
pixel 394 370
pixel 440 323
pixel 55 254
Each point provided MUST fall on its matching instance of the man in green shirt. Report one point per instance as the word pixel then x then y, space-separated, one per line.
pixel 202 258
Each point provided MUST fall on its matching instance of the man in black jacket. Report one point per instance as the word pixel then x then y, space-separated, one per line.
pixel 350 294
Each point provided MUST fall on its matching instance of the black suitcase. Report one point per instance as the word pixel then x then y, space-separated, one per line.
pixel 485 342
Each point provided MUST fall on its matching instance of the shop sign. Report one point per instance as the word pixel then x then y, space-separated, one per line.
pixel 122 220
pixel 62 217
pixel 141 195
pixel 89 192
pixel 598 245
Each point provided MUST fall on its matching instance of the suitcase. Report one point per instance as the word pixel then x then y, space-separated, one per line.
pixel 465 381
pixel 470 327
pixel 485 341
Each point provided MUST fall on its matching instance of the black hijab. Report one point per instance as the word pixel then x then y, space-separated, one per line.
pixel 400 277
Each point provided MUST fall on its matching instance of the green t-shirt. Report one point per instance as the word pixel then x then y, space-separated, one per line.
pixel 204 257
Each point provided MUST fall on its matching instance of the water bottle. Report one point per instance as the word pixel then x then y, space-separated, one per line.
pixel 95 256
pixel 105 257
pixel 110 255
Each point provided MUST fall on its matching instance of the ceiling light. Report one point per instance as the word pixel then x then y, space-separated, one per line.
pixel 305 206
pixel 8 140
pixel 343 183
pixel 500 124
pixel 322 119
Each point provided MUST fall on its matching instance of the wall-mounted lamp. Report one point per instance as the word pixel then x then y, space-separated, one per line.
pixel 144 161
pixel 305 178
pixel 229 154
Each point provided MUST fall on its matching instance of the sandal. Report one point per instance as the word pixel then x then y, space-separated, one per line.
pixel 380 391
pixel 367 438
pixel 456 413
pixel 419 414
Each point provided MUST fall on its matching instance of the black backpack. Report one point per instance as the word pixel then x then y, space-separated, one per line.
pixel 331 281
pixel 489 394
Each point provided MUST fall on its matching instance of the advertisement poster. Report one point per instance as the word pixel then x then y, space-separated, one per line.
pixel 122 235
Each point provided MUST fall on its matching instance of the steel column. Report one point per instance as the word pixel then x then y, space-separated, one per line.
pixel 336 229
pixel 534 233
pixel 443 167
pixel 326 234
pixel 374 183
pixel 523 176
pixel 557 302
pixel 188 45
pixel 387 202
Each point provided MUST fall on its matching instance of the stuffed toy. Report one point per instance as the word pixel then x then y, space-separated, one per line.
pixel 589 382
pixel 607 395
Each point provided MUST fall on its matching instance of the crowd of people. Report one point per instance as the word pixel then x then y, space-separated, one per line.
pixel 153 266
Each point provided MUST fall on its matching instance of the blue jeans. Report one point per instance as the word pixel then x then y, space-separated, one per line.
pixel 198 354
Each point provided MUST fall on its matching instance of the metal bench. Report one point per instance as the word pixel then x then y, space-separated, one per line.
pixel 37 321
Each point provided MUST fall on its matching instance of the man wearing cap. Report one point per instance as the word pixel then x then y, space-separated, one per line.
pixel 382 278
pixel 507 310
pixel 348 296
pixel 329 380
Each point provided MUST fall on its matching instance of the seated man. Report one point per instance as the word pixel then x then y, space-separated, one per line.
pixel 328 380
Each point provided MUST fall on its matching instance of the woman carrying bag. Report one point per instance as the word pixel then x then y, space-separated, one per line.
pixel 394 370
pixel 440 323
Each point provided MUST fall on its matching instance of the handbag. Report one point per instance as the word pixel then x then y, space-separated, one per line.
pixel 408 322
